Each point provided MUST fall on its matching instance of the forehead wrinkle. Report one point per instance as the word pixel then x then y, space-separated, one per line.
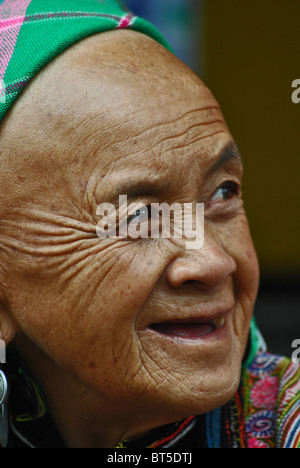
pixel 163 123
pixel 126 130
pixel 154 129
pixel 157 145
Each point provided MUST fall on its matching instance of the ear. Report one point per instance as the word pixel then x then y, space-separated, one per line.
pixel 8 327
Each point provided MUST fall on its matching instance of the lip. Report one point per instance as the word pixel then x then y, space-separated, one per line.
pixel 193 327
pixel 197 316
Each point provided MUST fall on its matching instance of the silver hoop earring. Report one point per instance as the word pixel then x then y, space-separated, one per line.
pixel 3 410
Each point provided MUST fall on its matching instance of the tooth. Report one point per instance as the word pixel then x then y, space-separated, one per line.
pixel 219 322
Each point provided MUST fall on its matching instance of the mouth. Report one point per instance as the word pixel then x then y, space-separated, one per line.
pixel 192 330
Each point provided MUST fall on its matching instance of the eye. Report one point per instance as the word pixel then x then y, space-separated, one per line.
pixel 227 191
pixel 142 214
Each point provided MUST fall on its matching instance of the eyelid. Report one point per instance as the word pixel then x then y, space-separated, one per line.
pixel 234 185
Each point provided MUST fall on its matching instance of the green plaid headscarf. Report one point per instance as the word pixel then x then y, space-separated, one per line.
pixel 33 32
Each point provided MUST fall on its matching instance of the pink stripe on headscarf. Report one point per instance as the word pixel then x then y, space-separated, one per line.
pixel 126 21
pixel 12 13
pixel 11 22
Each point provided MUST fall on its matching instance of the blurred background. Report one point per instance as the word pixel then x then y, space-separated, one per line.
pixel 247 54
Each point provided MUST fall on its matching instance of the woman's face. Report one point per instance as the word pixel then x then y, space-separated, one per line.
pixel 157 331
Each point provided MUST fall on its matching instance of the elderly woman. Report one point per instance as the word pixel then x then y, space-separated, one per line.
pixel 122 341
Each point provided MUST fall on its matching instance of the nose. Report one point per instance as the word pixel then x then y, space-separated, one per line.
pixel 208 267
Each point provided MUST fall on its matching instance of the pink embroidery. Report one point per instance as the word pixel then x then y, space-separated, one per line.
pixel 255 443
pixel 264 394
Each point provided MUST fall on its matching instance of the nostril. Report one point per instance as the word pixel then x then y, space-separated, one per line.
pixel 188 284
pixel 208 269
pixel 192 282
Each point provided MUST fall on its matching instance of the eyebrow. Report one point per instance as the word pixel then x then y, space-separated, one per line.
pixel 154 185
pixel 230 152
pixel 140 188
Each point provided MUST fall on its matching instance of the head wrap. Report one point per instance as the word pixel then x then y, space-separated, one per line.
pixel 33 32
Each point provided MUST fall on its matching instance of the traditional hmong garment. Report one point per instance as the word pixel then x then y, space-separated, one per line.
pixel 33 32
pixel 271 394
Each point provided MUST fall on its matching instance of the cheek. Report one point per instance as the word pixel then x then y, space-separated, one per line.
pixel 247 276
pixel 87 323
pixel 237 241
pixel 240 246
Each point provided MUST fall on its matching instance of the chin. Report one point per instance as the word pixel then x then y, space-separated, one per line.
pixel 194 396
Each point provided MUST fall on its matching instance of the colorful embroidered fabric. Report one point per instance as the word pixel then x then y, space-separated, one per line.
pixel 33 32
pixel 272 403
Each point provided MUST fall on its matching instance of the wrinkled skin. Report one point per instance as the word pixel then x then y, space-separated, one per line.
pixel 119 108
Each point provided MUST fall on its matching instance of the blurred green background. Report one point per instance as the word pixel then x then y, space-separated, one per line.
pixel 247 54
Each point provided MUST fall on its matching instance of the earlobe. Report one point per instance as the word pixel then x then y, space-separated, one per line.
pixel 8 328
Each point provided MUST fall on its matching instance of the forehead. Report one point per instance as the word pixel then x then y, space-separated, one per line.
pixel 164 128
pixel 143 113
